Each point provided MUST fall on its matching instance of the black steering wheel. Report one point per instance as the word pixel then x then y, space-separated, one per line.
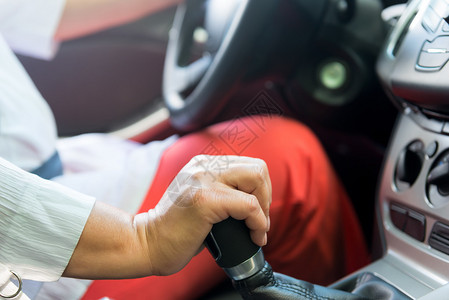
pixel 222 33
pixel 216 45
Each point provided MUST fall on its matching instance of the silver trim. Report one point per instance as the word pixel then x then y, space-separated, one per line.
pixel 144 124
pixel 247 268
pixel 409 12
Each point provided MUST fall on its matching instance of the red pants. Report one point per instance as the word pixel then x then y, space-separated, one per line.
pixel 314 233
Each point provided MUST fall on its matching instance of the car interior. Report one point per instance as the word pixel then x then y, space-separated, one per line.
pixel 369 77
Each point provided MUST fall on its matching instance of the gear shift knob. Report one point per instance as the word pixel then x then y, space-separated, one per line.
pixel 230 244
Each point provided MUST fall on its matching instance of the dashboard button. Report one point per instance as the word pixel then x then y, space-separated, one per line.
pixel 398 216
pixel 415 225
pixel 435 54
pixel 408 221
pixel 439 238
pixel 431 20
pixel 440 44
pixel 434 61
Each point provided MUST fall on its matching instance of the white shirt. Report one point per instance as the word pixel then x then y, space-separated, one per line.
pixel 37 235
pixel 41 222
pixel 112 170
pixel 27 128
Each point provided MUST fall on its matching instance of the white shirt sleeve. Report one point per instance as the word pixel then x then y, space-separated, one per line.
pixel 40 223
pixel 28 26
pixel 27 127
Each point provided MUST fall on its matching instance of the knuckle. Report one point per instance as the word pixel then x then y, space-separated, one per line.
pixel 196 177
pixel 252 203
pixel 263 166
pixel 195 191
pixel 200 198
pixel 259 173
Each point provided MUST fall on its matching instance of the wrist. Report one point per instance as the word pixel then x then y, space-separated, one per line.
pixel 144 227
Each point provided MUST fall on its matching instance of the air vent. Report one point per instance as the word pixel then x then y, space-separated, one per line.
pixel 408 165
pixel 439 238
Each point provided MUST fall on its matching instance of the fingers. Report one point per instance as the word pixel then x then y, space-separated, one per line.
pixel 250 176
pixel 246 174
pixel 234 186
pixel 225 202
pixel 206 191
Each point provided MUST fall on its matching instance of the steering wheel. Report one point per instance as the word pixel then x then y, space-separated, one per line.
pixel 196 88
pixel 213 46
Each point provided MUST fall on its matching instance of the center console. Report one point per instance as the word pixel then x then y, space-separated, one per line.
pixel 413 193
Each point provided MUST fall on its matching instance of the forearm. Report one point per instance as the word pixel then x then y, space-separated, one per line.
pixel 112 245
pixel 82 17
pixel 162 241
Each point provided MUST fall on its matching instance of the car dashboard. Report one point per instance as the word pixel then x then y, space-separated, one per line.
pixel 413 191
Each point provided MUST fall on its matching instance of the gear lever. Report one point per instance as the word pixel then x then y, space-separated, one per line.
pixel 243 261
pixel 230 244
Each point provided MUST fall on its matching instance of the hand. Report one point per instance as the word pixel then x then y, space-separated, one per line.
pixel 209 189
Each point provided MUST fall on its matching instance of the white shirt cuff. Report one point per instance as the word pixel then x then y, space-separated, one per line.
pixel 41 223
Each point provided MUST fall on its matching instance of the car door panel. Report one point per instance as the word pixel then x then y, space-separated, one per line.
pixel 104 81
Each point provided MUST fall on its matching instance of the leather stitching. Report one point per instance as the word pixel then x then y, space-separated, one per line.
pixel 302 291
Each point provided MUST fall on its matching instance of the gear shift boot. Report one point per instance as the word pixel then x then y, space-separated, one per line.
pixel 267 285
pixel 369 285
pixel 230 244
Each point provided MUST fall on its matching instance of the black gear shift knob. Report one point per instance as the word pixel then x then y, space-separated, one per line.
pixel 230 244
